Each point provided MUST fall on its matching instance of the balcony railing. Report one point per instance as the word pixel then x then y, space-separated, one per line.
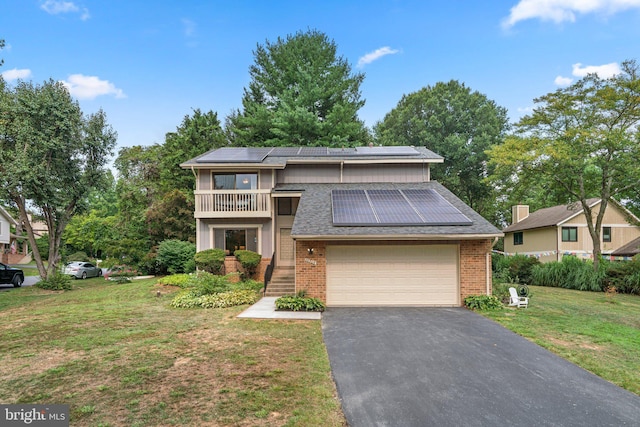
pixel 232 203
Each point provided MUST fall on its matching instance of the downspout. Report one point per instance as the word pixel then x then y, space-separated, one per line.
pixel 341 171
pixel 488 267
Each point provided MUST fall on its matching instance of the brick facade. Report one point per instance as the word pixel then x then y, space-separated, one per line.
pixel 232 265
pixel 475 267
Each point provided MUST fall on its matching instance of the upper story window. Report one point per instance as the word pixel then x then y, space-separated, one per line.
pixel 569 234
pixel 518 238
pixel 606 234
pixel 235 181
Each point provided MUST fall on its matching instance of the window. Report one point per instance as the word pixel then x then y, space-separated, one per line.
pixel 606 234
pixel 233 239
pixel 569 234
pixel 287 206
pixel 518 238
pixel 235 181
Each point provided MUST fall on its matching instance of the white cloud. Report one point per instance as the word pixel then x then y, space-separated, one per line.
pixel 376 54
pixel 55 7
pixel 89 87
pixel 16 74
pixel 563 81
pixel 564 10
pixel 525 110
pixel 604 71
pixel 189 27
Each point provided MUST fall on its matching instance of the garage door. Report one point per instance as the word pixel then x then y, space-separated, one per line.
pixel 392 275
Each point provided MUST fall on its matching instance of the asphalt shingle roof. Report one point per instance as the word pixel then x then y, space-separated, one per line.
pixel 630 249
pixel 314 220
pixel 548 217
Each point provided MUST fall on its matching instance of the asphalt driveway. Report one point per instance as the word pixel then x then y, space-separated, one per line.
pixel 452 367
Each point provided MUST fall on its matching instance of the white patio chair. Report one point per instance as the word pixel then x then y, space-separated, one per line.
pixel 516 300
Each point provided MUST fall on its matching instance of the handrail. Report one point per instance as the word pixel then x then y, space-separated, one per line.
pixel 269 272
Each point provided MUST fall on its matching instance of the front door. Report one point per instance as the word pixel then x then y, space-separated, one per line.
pixel 286 251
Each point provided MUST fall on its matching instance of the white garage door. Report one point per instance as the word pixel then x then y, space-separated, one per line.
pixel 391 275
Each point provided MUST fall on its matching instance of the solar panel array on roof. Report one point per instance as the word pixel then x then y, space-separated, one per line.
pixel 258 154
pixel 235 155
pixel 393 208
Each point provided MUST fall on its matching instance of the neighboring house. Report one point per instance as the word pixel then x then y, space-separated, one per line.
pixel 551 233
pixel 627 251
pixel 6 221
pixel 352 226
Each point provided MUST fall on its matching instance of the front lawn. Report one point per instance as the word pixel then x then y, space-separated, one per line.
pixel 597 331
pixel 118 354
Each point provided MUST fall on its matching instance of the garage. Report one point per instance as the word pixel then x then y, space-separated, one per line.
pixel 392 275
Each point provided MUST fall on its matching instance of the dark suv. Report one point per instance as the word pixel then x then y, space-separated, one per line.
pixel 11 276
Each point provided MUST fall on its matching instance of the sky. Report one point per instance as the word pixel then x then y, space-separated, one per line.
pixel 148 64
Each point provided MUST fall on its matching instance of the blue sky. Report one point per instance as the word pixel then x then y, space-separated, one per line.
pixel 147 64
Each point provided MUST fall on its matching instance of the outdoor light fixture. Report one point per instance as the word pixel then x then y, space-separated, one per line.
pixel 245 181
pixel 310 250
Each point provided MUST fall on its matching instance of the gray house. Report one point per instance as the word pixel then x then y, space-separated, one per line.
pixel 352 226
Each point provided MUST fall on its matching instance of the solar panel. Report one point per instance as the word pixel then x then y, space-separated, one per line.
pixel 393 208
pixel 235 155
pixel 351 207
pixel 435 209
pixel 284 151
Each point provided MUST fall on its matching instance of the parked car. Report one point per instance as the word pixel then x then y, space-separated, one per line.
pixel 82 270
pixel 11 276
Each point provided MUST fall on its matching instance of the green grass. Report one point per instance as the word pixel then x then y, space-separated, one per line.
pixel 597 331
pixel 119 355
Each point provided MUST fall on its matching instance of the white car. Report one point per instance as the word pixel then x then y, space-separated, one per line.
pixel 82 270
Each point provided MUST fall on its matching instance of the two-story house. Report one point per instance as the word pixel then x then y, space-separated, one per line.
pixel 354 226
pixel 553 232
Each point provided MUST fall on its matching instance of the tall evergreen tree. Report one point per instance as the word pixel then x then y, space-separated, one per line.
pixel 301 93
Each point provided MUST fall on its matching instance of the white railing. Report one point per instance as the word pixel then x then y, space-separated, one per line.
pixel 232 203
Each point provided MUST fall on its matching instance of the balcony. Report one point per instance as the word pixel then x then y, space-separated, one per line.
pixel 233 203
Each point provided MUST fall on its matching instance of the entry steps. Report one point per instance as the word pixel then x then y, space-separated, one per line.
pixel 282 282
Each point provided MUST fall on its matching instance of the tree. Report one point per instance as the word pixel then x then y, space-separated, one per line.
pixel 456 123
pixel 171 217
pixel 51 157
pixel 195 135
pixel 580 142
pixel 1 47
pixel 301 93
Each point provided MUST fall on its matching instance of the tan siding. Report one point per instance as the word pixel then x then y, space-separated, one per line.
pixel 309 174
pixel 538 241
pixel 385 173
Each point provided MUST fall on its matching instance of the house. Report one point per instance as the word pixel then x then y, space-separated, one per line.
pixel 361 226
pixel 6 221
pixel 551 233
pixel 627 251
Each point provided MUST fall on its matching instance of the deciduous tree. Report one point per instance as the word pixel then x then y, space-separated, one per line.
pixel 456 123
pixel 580 142
pixel 51 157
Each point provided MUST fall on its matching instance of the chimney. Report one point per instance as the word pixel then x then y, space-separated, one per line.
pixel 518 213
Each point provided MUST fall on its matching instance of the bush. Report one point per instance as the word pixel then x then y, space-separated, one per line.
pixel 299 303
pixel 57 282
pixel 210 260
pixel 570 273
pixel 176 256
pixel 121 274
pixel 483 302
pixel 624 276
pixel 514 269
pixel 501 291
pixel 191 299
pixel 79 256
pixel 181 280
pixel 249 261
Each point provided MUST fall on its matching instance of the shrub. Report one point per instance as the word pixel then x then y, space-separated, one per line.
pixel 514 269
pixel 204 283
pixel 210 260
pixel 299 303
pixel 570 273
pixel 624 276
pixel 501 291
pixel 57 282
pixel 483 302
pixel 181 280
pixel 121 274
pixel 191 299
pixel 176 256
pixel 79 256
pixel 249 261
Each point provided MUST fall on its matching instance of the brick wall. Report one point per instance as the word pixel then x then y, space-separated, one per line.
pixel 231 265
pixel 311 269
pixel 473 268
